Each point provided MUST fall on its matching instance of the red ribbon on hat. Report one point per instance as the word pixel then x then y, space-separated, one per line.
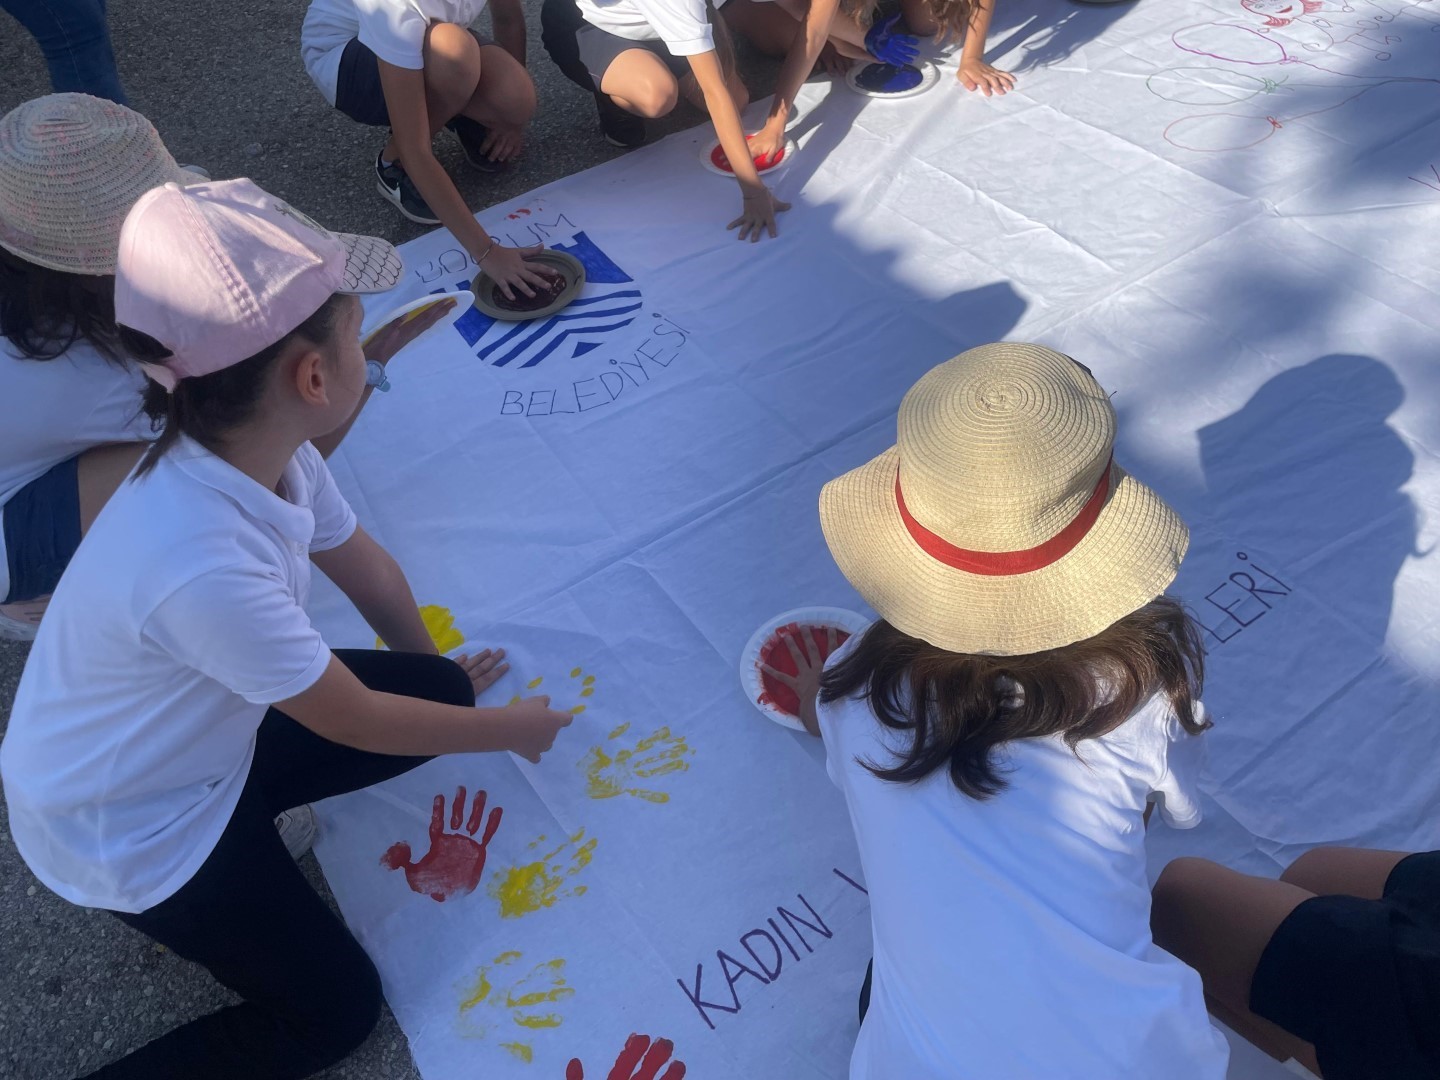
pixel 1005 563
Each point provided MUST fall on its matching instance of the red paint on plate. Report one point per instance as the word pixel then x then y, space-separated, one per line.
pixel 776 654
pixel 762 164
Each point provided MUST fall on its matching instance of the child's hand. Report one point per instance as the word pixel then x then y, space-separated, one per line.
pixel 384 343
pixel 533 726
pixel 513 273
pixel 889 47
pixel 760 208
pixel 767 142
pixel 484 668
pixel 503 142
pixel 808 669
pixel 978 75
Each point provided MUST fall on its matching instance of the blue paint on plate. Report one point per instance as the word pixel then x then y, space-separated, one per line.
pixel 888 78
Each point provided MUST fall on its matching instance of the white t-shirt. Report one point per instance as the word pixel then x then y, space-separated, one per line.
pixel 394 30
pixel 1012 935
pixel 680 24
pixel 52 410
pixel 180 619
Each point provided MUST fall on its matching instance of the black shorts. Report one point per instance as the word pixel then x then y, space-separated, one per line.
pixel 42 531
pixel 1360 979
pixel 358 93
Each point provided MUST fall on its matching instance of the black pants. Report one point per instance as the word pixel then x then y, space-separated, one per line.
pixel 560 21
pixel 248 915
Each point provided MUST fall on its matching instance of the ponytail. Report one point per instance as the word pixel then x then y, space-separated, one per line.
pixel 207 407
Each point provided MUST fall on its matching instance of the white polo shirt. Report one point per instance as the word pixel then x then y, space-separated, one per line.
pixel 52 410
pixel 394 30
pixel 680 24
pixel 1012 935
pixel 180 619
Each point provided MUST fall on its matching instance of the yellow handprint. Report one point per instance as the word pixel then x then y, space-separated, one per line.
pixel 525 889
pixel 484 1005
pixel 657 754
pixel 583 684
pixel 441 625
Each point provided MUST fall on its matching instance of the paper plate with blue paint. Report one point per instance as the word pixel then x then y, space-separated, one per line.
pixel 892 80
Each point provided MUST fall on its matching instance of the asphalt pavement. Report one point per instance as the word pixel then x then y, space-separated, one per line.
pixel 224 85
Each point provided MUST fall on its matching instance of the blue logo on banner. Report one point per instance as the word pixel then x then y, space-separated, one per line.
pixel 610 303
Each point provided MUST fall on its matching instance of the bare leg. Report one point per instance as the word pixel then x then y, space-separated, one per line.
pixel 767 26
pixel 919 19
pixel 690 89
pixel 639 82
pixel 1219 922
pixel 1341 871
pixel 505 94
pixel 847 33
pixel 99 474
pixel 452 75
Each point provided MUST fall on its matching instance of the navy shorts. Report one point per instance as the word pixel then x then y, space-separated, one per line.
pixel 42 531
pixel 1360 979
pixel 358 93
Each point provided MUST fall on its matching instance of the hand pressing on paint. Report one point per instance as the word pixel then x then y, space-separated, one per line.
pixel 484 668
pixel 887 45
pixel 639 1060
pixel 808 668
pixel 455 862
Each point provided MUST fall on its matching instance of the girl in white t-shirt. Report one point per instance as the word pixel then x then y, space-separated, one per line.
pixel 177 696
pixel 414 67
pixel 1001 734
pixel 640 56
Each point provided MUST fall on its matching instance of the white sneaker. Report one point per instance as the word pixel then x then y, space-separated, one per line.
pixel 297 829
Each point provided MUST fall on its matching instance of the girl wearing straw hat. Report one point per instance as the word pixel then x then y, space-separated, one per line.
pixel 71 167
pixel 1003 732
pixel 177 696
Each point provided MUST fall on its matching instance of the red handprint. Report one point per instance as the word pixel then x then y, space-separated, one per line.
pixel 640 1060
pixel 454 864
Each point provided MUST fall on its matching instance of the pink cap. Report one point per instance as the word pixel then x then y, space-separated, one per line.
pixel 217 272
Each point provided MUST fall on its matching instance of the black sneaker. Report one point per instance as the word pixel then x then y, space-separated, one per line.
pixel 620 128
pixel 472 135
pixel 395 184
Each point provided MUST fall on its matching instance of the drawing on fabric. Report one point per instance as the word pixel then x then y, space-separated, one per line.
pixel 455 861
pixel 505 995
pixel 631 766
pixel 580 685
pixel 1335 45
pixel 530 887
pixel 440 624
pixel 639 1059
pixel 1432 181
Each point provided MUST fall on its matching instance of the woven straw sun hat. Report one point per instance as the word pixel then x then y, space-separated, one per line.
pixel 71 167
pixel 999 524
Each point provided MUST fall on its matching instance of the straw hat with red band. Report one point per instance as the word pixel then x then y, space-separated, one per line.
pixel 1000 523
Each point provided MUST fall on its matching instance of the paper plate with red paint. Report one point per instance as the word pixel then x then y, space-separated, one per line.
pixel 464 301
pixel 767 646
pixel 715 160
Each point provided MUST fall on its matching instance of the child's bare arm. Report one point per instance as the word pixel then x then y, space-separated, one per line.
pixel 975 73
pixel 367 574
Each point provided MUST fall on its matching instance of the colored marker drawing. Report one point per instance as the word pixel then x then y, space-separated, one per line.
pixel 440 624
pixel 623 767
pixel 504 995
pixel 580 686
pixel 455 861
pixel 523 890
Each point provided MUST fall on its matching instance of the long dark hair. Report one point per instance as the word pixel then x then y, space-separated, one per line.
pixel 207 407
pixel 960 708
pixel 952 17
pixel 44 312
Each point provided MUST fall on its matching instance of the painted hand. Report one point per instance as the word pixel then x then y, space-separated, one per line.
pixel 809 666
pixel 455 862
pixel 978 75
pixel 385 342
pixel 639 1060
pixel 889 47
pixel 767 142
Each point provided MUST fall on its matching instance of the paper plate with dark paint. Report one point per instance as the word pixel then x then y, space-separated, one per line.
pixel 463 302
pixel 766 646
pixel 715 160
pixel 545 302
pixel 892 80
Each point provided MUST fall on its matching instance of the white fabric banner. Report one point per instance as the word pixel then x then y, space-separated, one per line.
pixel 1226 212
